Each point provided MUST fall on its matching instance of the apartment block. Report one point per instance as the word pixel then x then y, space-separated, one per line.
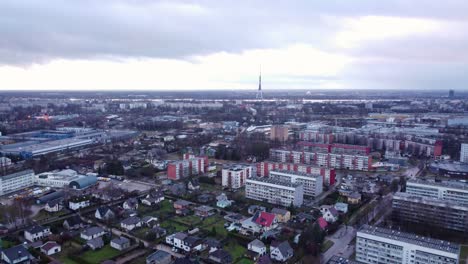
pixel 323 159
pixel 274 191
pixel 464 153
pixel 328 174
pixel 452 191
pixel 383 245
pixel 189 166
pixel 430 212
pixel 280 133
pixel 234 177
pixel 312 183
pixel 16 181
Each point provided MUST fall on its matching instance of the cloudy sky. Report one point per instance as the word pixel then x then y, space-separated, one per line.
pixel 216 44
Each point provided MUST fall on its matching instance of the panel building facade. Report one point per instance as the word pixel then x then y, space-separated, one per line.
pixel 312 183
pixel 275 192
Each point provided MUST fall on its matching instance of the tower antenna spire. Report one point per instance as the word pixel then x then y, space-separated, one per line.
pixel 259 95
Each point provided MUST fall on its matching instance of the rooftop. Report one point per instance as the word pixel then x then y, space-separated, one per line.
pixel 411 238
pixel 272 181
pixel 448 184
pixel 429 201
pixel 298 173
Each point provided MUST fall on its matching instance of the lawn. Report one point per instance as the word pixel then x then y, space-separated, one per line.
pixel 101 254
pixel 172 226
pixel 66 248
pixel 236 250
pixel 245 261
pixel 326 245
pixel 188 220
pixel 464 254
pixel 42 214
pixel 209 187
pixel 6 244
pixel 165 208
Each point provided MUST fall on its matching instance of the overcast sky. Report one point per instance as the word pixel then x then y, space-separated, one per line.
pixel 215 44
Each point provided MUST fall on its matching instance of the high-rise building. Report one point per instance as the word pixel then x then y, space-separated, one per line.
pixel 464 152
pixel 234 177
pixel 312 183
pixel 451 191
pixel 275 192
pixel 451 93
pixel 383 245
pixel 430 212
pixel 279 132
pixel 189 166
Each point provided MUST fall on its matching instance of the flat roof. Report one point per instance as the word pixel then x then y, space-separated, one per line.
pixel 34 147
pixel 430 201
pixel 411 238
pixel 448 184
pixel 276 182
pixel 298 173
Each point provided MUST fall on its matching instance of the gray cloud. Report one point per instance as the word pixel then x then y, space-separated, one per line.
pixel 39 31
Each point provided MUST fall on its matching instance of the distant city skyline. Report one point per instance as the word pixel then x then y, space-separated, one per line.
pixel 215 45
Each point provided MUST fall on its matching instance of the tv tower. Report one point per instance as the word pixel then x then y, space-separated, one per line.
pixel 259 92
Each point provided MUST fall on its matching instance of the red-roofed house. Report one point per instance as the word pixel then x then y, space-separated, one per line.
pixel 266 220
pixel 322 223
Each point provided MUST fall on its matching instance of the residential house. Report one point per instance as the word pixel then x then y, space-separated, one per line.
pixel 130 204
pixel 159 231
pixel 36 233
pixel 149 221
pixel 253 209
pixel 193 185
pixel 178 189
pixel 120 243
pixel 54 206
pixel 204 211
pixel 92 232
pixel 220 256
pixel 223 201
pixel 131 223
pixel 205 198
pixel 182 207
pixel 159 257
pixel 212 244
pixel 282 215
pixel 50 248
pixel 104 213
pixel 95 243
pixel 257 247
pixel 250 227
pixel 329 213
pixel 234 218
pixel 322 223
pixel 281 251
pixel 73 223
pixel 153 197
pixel 354 198
pixel 266 220
pixel 185 242
pixel 79 202
pixel 342 207
pixel 15 255
pixel 304 218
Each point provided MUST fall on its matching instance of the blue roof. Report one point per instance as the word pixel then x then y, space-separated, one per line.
pixel 83 182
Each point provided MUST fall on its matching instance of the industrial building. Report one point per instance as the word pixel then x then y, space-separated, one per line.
pixel 83 182
pixel 383 245
pixel 275 192
pixel 456 170
pixel 430 212
pixel 312 183
pixel 16 181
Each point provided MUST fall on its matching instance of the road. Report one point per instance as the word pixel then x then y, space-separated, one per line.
pixel 341 240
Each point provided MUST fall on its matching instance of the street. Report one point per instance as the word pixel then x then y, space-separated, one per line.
pixel 341 240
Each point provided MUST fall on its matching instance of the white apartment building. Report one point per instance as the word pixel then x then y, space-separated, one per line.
pixel 5 162
pixel 16 181
pixel 275 192
pixel 464 152
pixel 383 245
pixel 312 183
pixel 456 192
pixel 234 177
